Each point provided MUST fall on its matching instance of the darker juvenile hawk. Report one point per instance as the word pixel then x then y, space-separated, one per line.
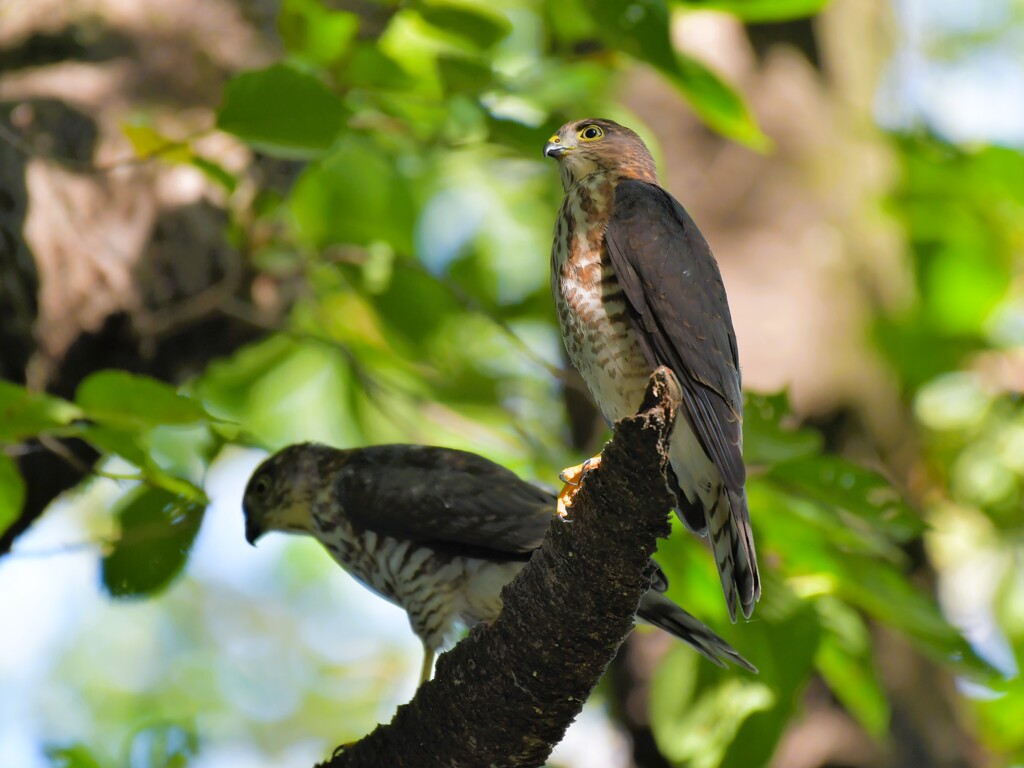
pixel 636 287
pixel 437 531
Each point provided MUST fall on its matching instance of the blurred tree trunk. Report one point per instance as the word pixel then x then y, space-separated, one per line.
pixel 123 266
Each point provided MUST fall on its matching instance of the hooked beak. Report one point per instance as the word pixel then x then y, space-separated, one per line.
pixel 551 149
pixel 252 530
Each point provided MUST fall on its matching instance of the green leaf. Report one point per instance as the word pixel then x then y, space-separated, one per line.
pixel 128 444
pixel 641 29
pixel 759 10
pixel 314 33
pixel 705 717
pixel 716 102
pixel 461 74
pixel 157 531
pixel 282 110
pixel 355 196
pixel 962 286
pixel 12 492
pixel 853 681
pixel 77 756
pixel 122 399
pixel 215 172
pixel 25 414
pixel 845 662
pixel 163 746
pixel 696 732
pixel 474 24
pixel 786 650
pixel 765 440
pixel 999 714
pixel 370 67
pixel 885 593
pixel 869 497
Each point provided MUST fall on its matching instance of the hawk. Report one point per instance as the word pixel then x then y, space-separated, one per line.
pixel 635 287
pixel 436 531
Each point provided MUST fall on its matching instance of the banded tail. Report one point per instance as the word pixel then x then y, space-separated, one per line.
pixel 732 543
pixel 658 610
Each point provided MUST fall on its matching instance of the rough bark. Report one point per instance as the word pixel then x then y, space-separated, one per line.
pixel 506 694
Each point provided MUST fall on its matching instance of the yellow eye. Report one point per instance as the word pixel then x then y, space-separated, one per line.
pixel 591 132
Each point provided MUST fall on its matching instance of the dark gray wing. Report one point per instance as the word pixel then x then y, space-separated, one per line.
pixel 448 498
pixel 680 311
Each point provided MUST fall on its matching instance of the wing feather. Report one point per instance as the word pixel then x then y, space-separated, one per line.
pixel 680 310
pixel 444 497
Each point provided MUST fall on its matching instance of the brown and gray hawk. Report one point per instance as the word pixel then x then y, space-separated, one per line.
pixel 636 287
pixel 436 531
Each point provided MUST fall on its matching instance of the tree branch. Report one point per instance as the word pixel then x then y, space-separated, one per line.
pixel 506 694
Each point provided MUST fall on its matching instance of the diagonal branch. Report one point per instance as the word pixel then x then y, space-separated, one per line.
pixel 506 694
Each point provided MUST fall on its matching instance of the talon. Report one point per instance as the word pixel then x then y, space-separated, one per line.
pixel 572 477
pixel 565 500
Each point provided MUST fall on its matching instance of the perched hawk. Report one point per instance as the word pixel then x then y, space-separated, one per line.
pixel 636 287
pixel 436 531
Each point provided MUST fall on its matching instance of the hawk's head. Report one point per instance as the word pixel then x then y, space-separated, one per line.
pixel 588 146
pixel 281 492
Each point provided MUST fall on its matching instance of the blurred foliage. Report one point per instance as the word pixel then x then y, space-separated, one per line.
pixel 957 348
pixel 411 260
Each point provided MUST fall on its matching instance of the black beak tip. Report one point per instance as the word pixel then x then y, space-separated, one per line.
pixel 252 532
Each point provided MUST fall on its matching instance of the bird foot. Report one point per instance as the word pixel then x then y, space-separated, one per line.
pixel 572 477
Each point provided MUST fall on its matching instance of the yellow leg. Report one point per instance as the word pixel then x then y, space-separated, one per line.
pixel 572 477
pixel 428 663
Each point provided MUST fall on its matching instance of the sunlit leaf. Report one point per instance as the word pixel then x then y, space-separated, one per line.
pixel 148 142
pixel 703 727
pixel 759 10
pixel 1000 713
pixel 157 531
pixel 12 492
pixel 25 414
pixel 315 33
pixel 706 717
pixel 962 287
pixel 355 196
pixel 122 398
pixel 282 110
pixel 77 756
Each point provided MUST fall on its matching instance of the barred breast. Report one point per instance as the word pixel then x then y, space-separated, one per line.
pixel 440 592
pixel 591 305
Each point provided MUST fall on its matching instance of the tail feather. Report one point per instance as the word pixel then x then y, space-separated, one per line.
pixel 732 543
pixel 658 610
pixel 709 509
